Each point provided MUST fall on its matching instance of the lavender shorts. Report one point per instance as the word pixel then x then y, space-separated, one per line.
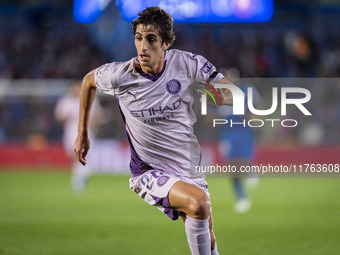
pixel 154 186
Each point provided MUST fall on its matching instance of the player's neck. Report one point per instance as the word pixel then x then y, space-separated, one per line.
pixel 154 69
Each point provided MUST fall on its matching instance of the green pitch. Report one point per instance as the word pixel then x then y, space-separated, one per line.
pixel 39 214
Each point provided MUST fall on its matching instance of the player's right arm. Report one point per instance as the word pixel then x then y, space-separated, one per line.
pixel 87 95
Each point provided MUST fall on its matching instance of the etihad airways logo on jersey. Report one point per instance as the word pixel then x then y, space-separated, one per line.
pixel 157 111
pixel 239 106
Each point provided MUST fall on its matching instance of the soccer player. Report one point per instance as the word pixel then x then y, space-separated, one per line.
pixel 67 113
pixel 237 144
pixel 154 91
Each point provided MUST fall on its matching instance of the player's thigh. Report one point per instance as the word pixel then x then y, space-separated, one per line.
pixel 190 199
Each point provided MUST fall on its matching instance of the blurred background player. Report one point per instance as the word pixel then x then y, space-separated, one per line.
pixel 237 144
pixel 67 113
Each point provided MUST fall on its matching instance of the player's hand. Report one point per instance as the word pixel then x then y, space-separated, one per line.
pixel 226 96
pixel 210 102
pixel 81 147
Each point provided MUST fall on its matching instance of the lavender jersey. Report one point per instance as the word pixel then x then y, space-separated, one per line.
pixel 157 110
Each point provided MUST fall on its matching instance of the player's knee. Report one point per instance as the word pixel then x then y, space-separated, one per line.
pixel 199 207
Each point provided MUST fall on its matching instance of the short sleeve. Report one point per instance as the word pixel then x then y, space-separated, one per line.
pixel 107 78
pixel 202 70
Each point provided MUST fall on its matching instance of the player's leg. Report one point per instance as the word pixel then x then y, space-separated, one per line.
pixel 242 204
pixel 80 175
pixel 195 204
pixel 243 154
pixel 231 150
pixel 212 235
pixel 252 178
pixel 172 196
pixel 239 188
pixel 190 199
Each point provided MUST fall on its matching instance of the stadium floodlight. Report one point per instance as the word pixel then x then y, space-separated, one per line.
pixel 203 11
pixel 87 11
pixel 183 11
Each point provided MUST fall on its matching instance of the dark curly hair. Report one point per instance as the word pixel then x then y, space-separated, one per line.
pixel 158 18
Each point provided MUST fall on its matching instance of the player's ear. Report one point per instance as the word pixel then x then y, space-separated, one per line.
pixel 165 46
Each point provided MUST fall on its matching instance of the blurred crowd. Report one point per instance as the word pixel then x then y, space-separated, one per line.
pixel 44 42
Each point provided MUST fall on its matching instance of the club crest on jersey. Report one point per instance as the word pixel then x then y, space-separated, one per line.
pixel 173 86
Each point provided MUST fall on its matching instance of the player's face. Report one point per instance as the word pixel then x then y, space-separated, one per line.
pixel 150 48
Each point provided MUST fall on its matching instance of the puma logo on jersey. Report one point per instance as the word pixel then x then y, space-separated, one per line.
pixel 134 95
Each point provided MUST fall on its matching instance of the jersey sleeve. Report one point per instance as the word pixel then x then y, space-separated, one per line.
pixel 107 78
pixel 202 70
